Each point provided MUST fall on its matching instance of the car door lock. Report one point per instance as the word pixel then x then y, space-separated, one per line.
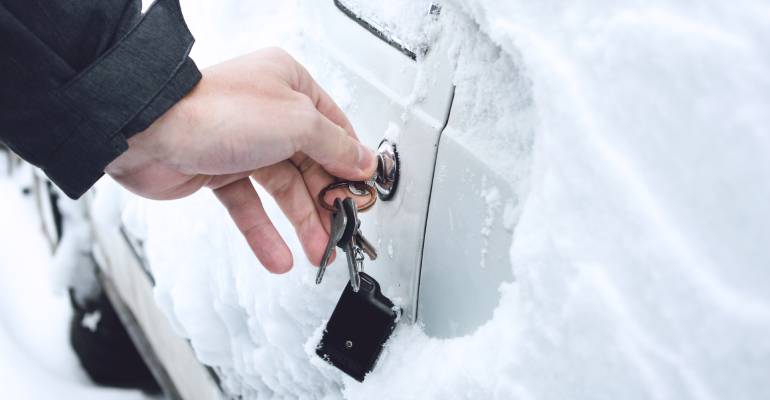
pixel 386 180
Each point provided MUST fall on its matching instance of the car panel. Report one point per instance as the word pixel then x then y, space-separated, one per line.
pixel 392 83
pixel 466 243
pixel 130 289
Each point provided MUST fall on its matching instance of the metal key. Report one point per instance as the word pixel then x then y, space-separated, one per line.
pixel 354 265
pixel 349 245
pixel 365 245
pixel 338 225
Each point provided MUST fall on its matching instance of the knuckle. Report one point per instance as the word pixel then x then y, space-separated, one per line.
pixel 312 122
pixel 278 53
pixel 281 59
pixel 306 104
pixel 254 228
pixel 317 122
pixel 301 122
pixel 279 185
pixel 305 219
pixel 282 189
pixel 306 165
pixel 346 145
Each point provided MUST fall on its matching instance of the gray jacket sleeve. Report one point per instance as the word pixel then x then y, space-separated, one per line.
pixel 78 78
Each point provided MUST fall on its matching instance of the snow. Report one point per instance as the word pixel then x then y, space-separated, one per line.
pixel 635 139
pixel 36 361
pixel 401 20
pixel 91 320
pixel 72 264
pixel 640 272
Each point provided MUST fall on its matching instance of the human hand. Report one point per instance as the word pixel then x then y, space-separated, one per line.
pixel 260 115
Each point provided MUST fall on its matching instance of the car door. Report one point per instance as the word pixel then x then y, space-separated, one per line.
pixel 392 100
pixel 445 235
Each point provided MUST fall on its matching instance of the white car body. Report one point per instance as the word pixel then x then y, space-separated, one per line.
pixel 637 268
pixel 442 239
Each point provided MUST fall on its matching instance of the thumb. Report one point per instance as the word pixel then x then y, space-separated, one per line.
pixel 339 153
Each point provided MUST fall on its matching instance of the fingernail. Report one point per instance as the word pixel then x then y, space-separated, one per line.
pixel 365 158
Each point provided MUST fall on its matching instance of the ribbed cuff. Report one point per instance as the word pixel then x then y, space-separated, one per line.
pixel 122 93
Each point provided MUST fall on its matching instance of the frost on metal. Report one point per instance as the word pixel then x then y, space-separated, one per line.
pixel 639 261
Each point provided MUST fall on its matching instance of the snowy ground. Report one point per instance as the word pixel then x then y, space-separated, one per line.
pixel 36 361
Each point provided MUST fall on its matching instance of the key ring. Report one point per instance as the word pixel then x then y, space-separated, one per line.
pixel 361 187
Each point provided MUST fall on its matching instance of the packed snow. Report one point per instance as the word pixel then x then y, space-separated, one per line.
pixel 638 253
pixel 36 361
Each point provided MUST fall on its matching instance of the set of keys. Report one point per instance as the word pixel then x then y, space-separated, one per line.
pixel 363 318
pixel 346 231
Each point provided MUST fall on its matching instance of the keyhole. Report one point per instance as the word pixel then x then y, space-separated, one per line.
pixel 348 344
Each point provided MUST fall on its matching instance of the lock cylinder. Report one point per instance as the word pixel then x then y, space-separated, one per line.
pixel 386 180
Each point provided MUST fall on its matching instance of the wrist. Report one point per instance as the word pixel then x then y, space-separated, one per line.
pixel 131 160
pixel 159 142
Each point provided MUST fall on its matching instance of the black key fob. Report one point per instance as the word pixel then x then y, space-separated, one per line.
pixel 358 329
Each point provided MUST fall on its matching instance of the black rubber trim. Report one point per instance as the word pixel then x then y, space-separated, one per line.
pixel 137 335
pixel 393 42
pixel 138 253
pixel 53 197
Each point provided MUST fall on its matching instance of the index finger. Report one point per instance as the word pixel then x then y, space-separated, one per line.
pixel 322 101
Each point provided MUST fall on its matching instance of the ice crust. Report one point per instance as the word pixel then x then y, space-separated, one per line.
pixel 639 248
